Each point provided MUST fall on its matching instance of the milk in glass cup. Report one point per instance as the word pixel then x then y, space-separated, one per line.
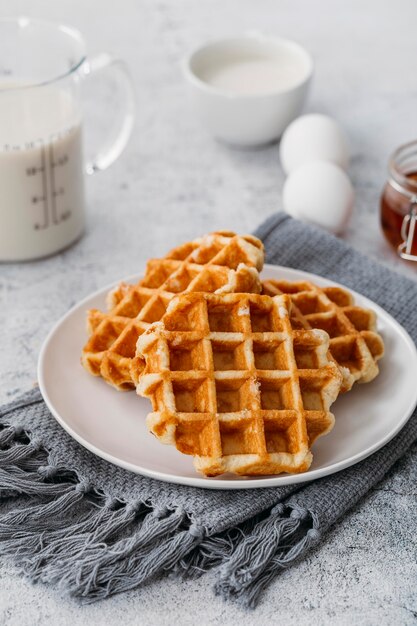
pixel 42 70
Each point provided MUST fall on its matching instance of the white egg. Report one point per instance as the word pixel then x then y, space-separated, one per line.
pixel 321 193
pixel 313 137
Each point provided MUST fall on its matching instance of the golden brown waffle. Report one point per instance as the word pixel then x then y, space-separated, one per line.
pixel 220 262
pixel 232 383
pixel 354 343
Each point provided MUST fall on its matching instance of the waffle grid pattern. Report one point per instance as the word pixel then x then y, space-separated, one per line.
pixel 220 262
pixel 232 384
pixel 354 343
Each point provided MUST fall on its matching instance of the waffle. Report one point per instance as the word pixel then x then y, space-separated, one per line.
pixel 221 262
pixel 232 384
pixel 354 343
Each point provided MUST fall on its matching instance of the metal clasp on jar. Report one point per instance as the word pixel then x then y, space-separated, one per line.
pixel 408 230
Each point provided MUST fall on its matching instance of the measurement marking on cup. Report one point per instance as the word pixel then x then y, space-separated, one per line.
pixel 50 191
pixel 53 190
pixel 32 171
pixel 44 183
pixel 56 192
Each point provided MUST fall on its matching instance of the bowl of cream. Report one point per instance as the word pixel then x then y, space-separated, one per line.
pixel 247 89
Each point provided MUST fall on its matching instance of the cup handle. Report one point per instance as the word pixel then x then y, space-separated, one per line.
pixel 115 144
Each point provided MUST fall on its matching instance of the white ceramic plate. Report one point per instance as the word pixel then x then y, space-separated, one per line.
pixel 112 424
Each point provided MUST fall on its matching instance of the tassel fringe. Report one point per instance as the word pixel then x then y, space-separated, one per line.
pixel 60 530
pixel 276 542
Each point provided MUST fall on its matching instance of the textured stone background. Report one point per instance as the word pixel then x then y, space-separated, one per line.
pixel 175 182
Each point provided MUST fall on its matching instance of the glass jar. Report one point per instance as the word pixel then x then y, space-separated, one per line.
pixel 399 202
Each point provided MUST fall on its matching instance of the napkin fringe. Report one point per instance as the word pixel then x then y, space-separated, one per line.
pixel 214 550
pixel 62 530
pixel 250 556
pixel 59 529
pixel 276 542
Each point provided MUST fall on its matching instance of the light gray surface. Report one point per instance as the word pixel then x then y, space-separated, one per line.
pixel 173 183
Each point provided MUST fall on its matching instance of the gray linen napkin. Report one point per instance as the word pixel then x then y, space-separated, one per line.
pixel 70 518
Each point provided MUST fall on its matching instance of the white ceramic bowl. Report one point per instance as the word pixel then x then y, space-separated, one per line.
pixel 253 115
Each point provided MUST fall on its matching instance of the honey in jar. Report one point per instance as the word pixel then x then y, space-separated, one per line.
pixel 399 202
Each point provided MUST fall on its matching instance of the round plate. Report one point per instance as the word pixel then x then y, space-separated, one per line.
pixel 112 424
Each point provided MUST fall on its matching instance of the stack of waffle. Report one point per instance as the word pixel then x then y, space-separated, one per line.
pixel 241 374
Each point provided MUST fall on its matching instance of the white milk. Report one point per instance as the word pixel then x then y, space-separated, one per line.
pixel 41 172
pixel 251 77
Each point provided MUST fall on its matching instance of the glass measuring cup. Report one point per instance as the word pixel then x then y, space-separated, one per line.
pixel 43 67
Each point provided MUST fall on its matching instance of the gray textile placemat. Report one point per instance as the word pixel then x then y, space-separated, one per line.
pixel 70 518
